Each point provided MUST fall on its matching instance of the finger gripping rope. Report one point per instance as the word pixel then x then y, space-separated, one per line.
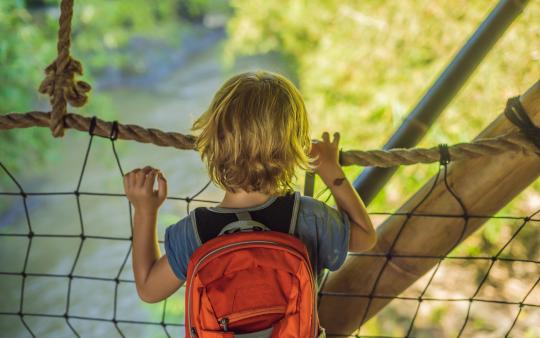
pixel 59 82
pixel 515 112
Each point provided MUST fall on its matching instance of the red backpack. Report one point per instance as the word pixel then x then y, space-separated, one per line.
pixel 250 278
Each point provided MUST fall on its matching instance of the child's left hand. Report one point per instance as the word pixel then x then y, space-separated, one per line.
pixel 139 188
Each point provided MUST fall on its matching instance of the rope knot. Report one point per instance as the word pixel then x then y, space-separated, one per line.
pixel 515 112
pixel 74 92
pixel 61 86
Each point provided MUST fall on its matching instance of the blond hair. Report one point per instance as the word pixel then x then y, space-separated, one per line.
pixel 255 133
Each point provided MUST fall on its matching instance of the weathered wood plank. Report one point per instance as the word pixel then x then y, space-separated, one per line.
pixel 485 185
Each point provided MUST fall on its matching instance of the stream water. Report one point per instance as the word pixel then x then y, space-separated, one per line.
pixel 170 104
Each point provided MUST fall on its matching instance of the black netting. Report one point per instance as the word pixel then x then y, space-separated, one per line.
pixel 116 281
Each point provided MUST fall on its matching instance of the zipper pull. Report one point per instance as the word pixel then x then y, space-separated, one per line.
pixel 225 323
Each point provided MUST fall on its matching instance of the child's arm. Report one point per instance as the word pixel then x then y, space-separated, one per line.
pixel 154 277
pixel 363 236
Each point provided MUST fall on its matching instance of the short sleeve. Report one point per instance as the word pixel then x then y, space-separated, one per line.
pixel 330 228
pixel 180 243
pixel 333 236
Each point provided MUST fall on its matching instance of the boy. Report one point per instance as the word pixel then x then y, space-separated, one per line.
pixel 253 137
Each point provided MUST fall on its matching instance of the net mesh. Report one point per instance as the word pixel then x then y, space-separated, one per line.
pixel 524 305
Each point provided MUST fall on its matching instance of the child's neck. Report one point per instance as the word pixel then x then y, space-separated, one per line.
pixel 243 199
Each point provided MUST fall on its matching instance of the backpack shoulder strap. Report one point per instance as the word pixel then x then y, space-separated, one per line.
pixel 195 227
pixel 208 225
pixel 244 223
pixel 279 216
pixel 294 216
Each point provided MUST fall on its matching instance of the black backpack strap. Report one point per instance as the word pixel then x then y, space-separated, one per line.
pixel 281 215
pixel 247 225
pixel 195 227
pixel 294 216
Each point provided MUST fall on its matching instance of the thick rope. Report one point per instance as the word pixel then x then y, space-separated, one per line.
pixel 458 152
pixel 514 141
pixel 102 128
pixel 59 82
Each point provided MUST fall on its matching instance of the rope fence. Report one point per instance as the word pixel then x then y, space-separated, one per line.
pixel 519 141
pixel 169 327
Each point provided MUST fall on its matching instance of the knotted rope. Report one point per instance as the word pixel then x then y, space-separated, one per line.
pixel 514 141
pixel 515 112
pixel 59 82
pixel 61 86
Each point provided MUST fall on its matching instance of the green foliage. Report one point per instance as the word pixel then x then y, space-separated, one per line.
pixel 482 325
pixel 22 52
pixel 362 65
pixel 103 28
pixel 437 314
pixel 101 31
pixel 197 8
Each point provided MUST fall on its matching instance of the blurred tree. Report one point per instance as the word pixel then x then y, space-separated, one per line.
pixel 23 56
pixel 101 33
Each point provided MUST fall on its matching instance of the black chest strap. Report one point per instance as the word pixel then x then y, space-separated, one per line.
pixel 281 215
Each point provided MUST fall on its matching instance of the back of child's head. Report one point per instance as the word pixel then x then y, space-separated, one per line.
pixel 255 134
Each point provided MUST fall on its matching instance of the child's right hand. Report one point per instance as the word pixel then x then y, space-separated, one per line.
pixel 139 188
pixel 328 153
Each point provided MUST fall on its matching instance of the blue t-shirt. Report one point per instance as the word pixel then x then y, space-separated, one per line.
pixel 324 230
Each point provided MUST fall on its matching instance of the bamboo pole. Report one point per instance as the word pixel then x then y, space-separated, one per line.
pixel 484 185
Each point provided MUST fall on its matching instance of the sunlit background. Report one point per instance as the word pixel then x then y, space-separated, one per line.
pixel 361 67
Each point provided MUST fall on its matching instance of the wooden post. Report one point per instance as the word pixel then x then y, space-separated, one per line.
pixel 484 184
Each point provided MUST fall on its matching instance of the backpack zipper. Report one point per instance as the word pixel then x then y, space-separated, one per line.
pixel 224 322
pixel 193 331
pixel 234 317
